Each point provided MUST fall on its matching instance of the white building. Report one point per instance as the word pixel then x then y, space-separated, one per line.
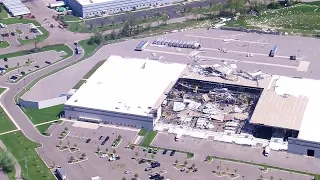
pixel 90 8
pixel 126 92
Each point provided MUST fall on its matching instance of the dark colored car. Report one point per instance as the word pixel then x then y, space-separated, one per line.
pixel 107 138
pixel 142 161
pixel 103 143
pixel 88 140
pixel 150 150
pixel 165 151
pixel 155 164
pixel 172 152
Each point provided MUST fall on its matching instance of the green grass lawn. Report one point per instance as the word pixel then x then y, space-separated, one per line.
pixel 88 49
pixel 21 148
pixel 299 18
pixel 3 12
pixel 4 44
pixel 42 37
pixel 95 67
pixel 2 90
pixel 44 127
pixel 58 47
pixel 142 132
pixel 11 174
pixel 71 18
pixel 148 138
pixel 18 20
pixel 79 84
pixel 18 31
pixel 5 122
pixel 38 116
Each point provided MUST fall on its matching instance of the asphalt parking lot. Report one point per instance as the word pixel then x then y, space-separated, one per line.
pixel 30 63
pixel 173 11
pixel 96 166
pixel 13 28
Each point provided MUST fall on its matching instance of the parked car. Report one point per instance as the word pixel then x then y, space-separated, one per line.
pixel 172 152
pixel 142 161
pixel 47 62
pixel 165 151
pixel 103 143
pixel 88 140
pixel 100 138
pixel 150 150
pixel 128 172
pixel 147 169
pixel 155 151
pixel 155 164
pixel 107 138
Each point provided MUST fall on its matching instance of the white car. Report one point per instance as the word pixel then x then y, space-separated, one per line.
pixel 104 155
pixel 128 172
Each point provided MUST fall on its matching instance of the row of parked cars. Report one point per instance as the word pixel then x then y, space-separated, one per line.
pixel 177 43
pixel 155 151
pixel 100 138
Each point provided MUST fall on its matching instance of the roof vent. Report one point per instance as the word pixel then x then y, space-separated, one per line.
pixel 76 100
pixel 91 1
pixel 117 108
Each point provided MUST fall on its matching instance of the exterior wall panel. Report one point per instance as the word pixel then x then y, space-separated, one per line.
pixel 107 117
pixel 298 146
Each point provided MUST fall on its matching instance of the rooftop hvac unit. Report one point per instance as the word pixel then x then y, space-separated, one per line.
pixel 293 57
pixel 91 1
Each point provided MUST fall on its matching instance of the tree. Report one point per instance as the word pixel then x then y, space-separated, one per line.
pixel 218 167
pixel 113 35
pixel 227 169
pixel 68 143
pixel 5 59
pixel 6 66
pixel 261 177
pixel 114 151
pixel 193 165
pixel 176 161
pixel 236 170
pixel 75 145
pixel 271 177
pixel 72 159
pixel 98 149
pixel 185 163
pixel 83 155
pixel 119 137
pixel 152 156
pixel 18 64
pixel 97 38
pixel 124 178
pixel 107 149
pixel 6 162
pixel 60 142
pixel 137 154
pixel 66 129
pixel 136 175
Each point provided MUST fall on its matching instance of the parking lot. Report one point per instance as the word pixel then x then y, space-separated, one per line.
pixel 174 11
pixel 96 166
pixel 15 31
pixel 26 64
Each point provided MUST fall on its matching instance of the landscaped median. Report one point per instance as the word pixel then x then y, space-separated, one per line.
pixel 266 166
pixel 4 44
pixel 23 150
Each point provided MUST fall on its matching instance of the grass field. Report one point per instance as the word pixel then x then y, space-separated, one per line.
pixel 18 20
pixel 148 138
pixel 95 67
pixel 5 122
pixel 71 18
pixel 142 132
pixel 44 127
pixel 42 37
pixel 2 90
pixel 58 47
pixel 11 174
pixel 79 84
pixel 88 49
pixel 38 116
pixel 3 12
pixel 4 44
pixel 302 18
pixel 18 31
pixel 21 148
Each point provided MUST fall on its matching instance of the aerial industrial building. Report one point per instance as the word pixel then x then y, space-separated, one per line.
pixel 124 91
pixel 90 8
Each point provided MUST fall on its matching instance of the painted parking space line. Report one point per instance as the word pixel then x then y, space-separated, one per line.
pixel 224 59
pixel 226 39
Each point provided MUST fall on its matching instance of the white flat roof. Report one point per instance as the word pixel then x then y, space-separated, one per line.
pixel 127 85
pixel 309 129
